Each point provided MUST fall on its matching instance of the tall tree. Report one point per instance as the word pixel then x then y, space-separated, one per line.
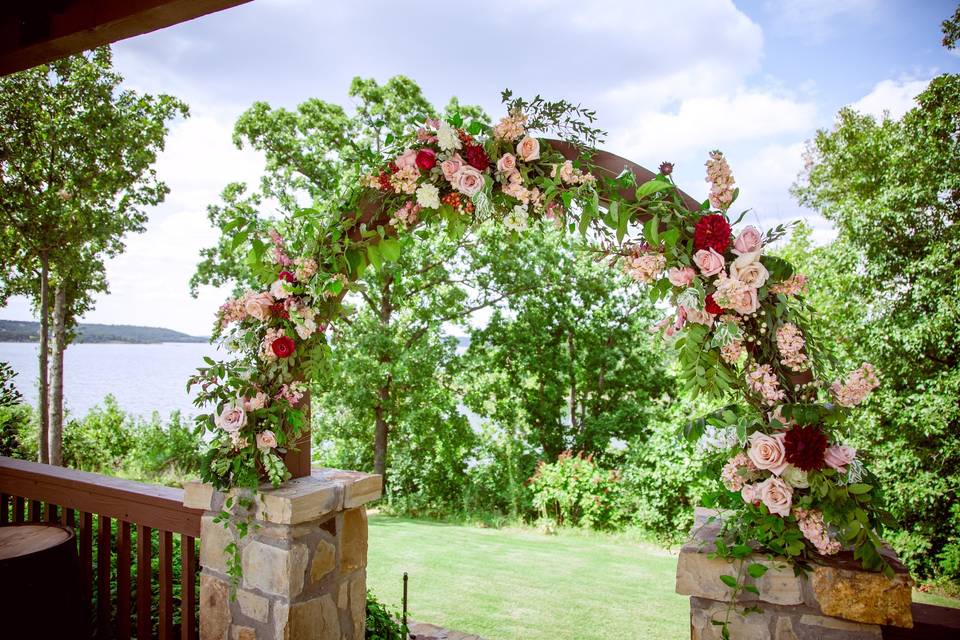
pixel 311 155
pixel 892 279
pixel 76 175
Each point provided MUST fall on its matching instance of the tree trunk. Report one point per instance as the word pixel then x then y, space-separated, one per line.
pixel 572 373
pixel 55 438
pixel 381 428
pixel 43 439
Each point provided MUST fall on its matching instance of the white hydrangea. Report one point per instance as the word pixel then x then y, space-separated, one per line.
pixel 717 439
pixel 447 137
pixel 428 196
pixel 516 220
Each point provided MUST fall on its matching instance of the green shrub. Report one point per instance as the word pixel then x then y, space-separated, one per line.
pixel 381 623
pixel 17 433
pixel 575 491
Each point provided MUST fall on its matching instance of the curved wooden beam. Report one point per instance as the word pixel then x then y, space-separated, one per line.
pixel 609 165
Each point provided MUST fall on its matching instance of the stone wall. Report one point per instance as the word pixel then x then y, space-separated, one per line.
pixel 837 601
pixel 304 560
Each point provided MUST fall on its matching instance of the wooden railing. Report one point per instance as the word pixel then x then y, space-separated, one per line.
pixel 126 599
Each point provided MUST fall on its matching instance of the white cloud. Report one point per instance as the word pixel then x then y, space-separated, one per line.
pixel 894 97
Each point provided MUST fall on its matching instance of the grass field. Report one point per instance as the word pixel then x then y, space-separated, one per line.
pixel 504 584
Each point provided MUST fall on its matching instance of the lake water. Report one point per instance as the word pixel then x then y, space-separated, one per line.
pixel 143 377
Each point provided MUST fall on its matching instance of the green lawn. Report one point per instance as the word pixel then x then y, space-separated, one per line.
pixel 505 584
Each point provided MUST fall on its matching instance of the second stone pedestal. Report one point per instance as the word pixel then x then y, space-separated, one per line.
pixel 303 561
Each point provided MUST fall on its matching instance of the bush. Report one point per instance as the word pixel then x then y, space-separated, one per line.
pixel 17 433
pixel 381 624
pixel 575 491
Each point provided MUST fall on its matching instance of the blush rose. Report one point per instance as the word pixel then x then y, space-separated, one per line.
pixel 767 452
pixel 709 261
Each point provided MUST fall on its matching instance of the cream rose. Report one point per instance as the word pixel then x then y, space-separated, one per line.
pixel 266 439
pixel 767 452
pixel 528 149
pixel 776 495
pixel 752 274
pixel 257 305
pixel 709 261
pixel 747 301
pixel 796 478
pixel 507 163
pixel 232 418
pixel 681 276
pixel 747 241
pixel 839 456
pixel 469 182
pixel 451 166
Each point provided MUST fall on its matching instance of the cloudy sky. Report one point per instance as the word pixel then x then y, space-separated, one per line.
pixel 670 80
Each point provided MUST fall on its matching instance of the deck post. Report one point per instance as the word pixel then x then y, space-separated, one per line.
pixel 303 560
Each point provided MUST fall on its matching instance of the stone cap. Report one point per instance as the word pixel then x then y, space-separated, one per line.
pixel 299 500
pixel 837 586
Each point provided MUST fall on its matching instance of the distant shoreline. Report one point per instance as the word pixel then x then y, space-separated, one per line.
pixel 130 342
pixel 21 331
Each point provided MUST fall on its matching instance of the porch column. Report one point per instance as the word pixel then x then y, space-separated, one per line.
pixel 304 560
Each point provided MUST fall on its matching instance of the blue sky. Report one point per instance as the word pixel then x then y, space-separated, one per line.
pixel 670 80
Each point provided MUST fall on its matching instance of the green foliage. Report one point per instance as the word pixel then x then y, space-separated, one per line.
pixel 9 395
pixel 17 439
pixel 575 491
pixel 891 282
pixel 381 623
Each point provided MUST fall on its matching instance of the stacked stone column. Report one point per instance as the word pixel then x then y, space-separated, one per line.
pixel 304 560
pixel 837 600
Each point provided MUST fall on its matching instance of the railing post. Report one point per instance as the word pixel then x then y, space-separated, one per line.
pixel 304 560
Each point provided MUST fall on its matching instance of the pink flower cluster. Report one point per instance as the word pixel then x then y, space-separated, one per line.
pixel 858 386
pixel 731 351
pixel 279 253
pixel 814 529
pixel 737 471
pixel 644 265
pixel 762 381
pixel 721 181
pixel 790 343
pixel 407 215
pixel 737 295
pixel 510 127
pixel 292 392
pixel 266 345
pixel 306 268
pixel 570 175
pixel 792 286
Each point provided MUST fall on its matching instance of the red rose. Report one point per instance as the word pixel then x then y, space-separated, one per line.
pixel 477 157
pixel 426 159
pixel 711 305
pixel 283 347
pixel 712 232
pixel 287 276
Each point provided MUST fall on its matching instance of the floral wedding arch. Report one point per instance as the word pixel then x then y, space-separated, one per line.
pixel 738 322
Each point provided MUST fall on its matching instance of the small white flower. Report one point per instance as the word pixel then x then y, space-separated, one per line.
pixel 717 439
pixel 447 137
pixel 428 196
pixel 516 220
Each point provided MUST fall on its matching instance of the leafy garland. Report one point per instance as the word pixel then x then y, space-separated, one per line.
pixel 741 329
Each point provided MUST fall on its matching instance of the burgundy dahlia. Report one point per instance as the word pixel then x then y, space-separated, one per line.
pixel 712 232
pixel 477 157
pixel 283 347
pixel 805 447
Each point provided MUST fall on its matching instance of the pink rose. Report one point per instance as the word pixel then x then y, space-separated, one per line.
pixel 749 493
pixel 776 495
pixel 232 418
pixel 406 159
pixel 258 401
pixel 767 452
pixel 747 301
pixel 681 276
pixel 507 163
pixel 266 439
pixel 528 149
pixel 747 241
pixel 451 166
pixel 709 261
pixel 469 182
pixel 839 456
pixel 278 289
pixel 257 305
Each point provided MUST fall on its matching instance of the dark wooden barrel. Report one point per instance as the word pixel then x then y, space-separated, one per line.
pixel 40 587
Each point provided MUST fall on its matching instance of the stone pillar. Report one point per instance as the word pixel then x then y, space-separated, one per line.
pixel 837 600
pixel 304 560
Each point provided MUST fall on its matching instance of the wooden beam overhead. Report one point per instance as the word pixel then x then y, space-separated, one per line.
pixel 38 31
